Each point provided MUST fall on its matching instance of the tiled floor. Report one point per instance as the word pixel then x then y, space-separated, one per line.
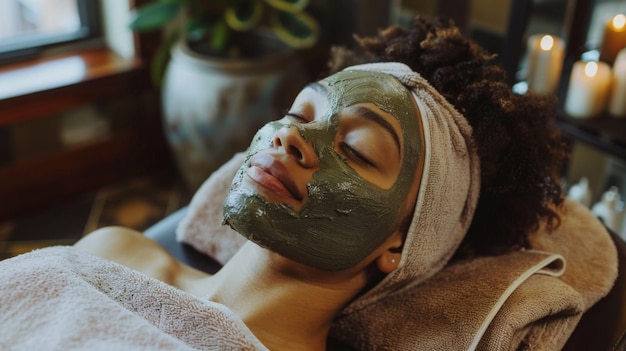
pixel 136 203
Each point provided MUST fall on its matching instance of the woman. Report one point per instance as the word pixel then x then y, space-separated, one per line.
pixel 336 181
pixel 371 180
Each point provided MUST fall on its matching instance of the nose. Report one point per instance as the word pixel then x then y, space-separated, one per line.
pixel 291 141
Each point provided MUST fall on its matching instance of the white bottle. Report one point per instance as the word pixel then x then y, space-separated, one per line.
pixel 610 209
pixel 580 192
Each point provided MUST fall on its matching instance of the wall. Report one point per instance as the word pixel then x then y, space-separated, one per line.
pixel 116 16
pixel 487 14
pixel 490 15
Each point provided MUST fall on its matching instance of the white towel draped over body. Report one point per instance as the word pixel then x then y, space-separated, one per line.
pixel 60 298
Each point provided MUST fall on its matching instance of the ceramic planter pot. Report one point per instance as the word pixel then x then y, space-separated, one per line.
pixel 213 106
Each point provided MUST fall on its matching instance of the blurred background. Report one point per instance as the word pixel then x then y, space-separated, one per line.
pixel 87 138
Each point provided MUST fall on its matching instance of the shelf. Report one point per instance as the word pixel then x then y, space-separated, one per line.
pixel 46 180
pixel 50 85
pixel 606 133
pixel 55 85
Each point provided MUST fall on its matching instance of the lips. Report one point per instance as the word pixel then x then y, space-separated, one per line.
pixel 272 174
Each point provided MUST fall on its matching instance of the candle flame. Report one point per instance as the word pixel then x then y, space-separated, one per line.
pixel 546 42
pixel 619 21
pixel 591 69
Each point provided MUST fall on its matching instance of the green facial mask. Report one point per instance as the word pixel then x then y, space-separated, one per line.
pixel 345 217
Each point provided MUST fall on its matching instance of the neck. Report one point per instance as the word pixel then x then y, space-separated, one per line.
pixel 285 305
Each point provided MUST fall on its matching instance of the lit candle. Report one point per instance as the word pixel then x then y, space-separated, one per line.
pixel 588 89
pixel 614 38
pixel 617 100
pixel 545 62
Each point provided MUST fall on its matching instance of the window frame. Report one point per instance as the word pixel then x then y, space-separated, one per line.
pixel 90 28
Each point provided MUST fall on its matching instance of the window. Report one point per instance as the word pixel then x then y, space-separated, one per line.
pixel 27 26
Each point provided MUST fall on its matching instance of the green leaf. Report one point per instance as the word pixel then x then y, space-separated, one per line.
pixel 298 30
pixel 197 27
pixel 220 36
pixel 288 5
pixel 154 15
pixel 244 15
pixel 161 59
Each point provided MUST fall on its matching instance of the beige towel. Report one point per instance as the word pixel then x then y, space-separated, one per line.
pixel 541 302
pixel 202 225
pixel 60 298
pixel 454 309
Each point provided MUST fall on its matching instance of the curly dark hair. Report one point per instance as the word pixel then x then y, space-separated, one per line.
pixel 521 153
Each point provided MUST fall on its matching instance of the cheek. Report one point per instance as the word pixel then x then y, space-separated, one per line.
pixel 386 162
pixel 264 138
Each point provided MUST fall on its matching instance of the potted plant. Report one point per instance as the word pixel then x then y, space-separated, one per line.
pixel 225 68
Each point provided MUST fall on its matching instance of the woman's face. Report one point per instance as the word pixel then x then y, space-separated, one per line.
pixel 327 184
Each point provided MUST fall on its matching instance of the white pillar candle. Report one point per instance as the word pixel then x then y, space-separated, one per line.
pixel 617 100
pixel 613 38
pixel 588 89
pixel 545 62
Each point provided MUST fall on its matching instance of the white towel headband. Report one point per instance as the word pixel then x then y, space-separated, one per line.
pixel 448 191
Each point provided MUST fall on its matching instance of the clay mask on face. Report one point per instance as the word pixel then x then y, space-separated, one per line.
pixel 345 217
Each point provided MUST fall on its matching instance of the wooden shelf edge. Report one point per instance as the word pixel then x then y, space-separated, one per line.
pixel 50 85
pixel 603 133
pixel 61 70
pixel 74 170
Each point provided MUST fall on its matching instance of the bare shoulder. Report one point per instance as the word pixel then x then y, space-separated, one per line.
pixel 111 242
pixel 130 248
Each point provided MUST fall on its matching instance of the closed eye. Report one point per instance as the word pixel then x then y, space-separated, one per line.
pixel 355 155
pixel 297 117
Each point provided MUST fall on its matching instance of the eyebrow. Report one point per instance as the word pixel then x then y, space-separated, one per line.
pixel 365 112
